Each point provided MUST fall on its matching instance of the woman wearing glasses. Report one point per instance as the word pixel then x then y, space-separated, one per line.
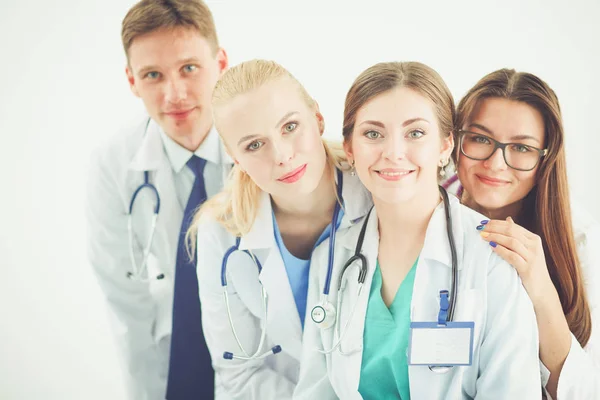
pixel 511 167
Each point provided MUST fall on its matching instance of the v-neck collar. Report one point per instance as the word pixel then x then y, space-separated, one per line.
pixel 396 305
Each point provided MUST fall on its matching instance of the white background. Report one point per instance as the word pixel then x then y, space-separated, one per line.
pixel 63 90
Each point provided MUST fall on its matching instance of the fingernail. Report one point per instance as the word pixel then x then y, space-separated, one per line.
pixel 493 244
pixel 484 234
pixel 485 221
pixel 480 227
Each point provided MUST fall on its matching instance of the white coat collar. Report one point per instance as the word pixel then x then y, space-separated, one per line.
pixel 436 245
pixel 357 202
pixel 152 150
pixel 150 154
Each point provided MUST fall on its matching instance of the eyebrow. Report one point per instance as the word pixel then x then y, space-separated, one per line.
pixel 250 137
pixel 516 137
pixel 149 68
pixel 404 124
pixel 286 116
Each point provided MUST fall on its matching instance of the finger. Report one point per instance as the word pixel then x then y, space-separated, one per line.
pixel 509 242
pixel 510 257
pixel 504 228
pixel 526 233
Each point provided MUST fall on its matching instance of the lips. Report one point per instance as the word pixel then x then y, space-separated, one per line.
pixel 294 175
pixel 488 180
pixel 393 174
pixel 180 114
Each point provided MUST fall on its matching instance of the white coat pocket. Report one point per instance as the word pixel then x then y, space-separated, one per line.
pixel 161 291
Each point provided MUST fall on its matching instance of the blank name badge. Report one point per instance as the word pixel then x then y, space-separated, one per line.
pixel 436 345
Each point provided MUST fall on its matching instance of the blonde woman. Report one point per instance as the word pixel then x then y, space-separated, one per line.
pixel 285 194
pixel 439 315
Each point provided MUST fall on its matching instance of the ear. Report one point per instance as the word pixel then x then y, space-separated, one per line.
pixel 131 80
pixel 222 60
pixel 447 147
pixel 348 150
pixel 320 119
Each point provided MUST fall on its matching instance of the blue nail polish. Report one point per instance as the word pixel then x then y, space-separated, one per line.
pixel 493 244
pixel 480 227
pixel 484 222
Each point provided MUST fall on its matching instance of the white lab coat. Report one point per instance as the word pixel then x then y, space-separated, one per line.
pixel 580 374
pixel 505 350
pixel 141 313
pixel 276 376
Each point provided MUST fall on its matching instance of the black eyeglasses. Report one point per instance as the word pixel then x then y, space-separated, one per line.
pixel 518 156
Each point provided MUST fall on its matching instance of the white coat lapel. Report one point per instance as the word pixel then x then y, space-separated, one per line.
pixel 151 157
pixel 354 336
pixel 434 273
pixel 283 322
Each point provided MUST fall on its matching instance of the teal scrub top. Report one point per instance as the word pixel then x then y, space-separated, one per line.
pixel 384 369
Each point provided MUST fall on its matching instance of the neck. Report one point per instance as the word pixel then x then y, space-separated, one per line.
pixel 407 222
pixel 319 203
pixel 193 140
pixel 510 210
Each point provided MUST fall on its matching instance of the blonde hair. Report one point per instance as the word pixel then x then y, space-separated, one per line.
pixel 148 16
pixel 236 206
pixel 383 77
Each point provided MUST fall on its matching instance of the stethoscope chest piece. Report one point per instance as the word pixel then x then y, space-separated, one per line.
pixel 323 315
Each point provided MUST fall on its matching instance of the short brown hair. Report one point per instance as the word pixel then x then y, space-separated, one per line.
pixel 148 16
pixel 383 77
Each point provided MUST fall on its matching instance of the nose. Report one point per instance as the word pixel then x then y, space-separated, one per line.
pixel 175 91
pixel 283 151
pixel 496 161
pixel 395 148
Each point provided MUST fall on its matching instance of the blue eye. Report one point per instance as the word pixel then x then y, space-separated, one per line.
pixel 190 68
pixel 152 75
pixel 416 134
pixel 255 145
pixel 290 127
pixel 372 135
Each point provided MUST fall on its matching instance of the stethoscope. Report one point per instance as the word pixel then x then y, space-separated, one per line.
pixel 277 348
pixel 326 315
pixel 139 271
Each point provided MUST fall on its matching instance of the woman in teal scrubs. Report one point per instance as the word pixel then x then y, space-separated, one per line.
pixel 398 123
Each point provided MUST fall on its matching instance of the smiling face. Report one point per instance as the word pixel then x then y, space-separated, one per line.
pixel 397 145
pixel 274 135
pixel 491 185
pixel 174 72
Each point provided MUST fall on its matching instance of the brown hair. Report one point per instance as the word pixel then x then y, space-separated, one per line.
pixel 546 209
pixel 383 77
pixel 148 16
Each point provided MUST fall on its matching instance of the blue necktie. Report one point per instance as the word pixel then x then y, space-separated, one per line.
pixel 191 376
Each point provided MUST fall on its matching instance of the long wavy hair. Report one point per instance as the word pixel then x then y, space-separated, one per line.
pixel 546 209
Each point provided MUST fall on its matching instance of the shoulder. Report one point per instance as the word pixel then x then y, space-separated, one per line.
pixel 356 198
pixel 121 147
pixel 586 231
pixel 211 234
pixel 584 224
pixel 475 250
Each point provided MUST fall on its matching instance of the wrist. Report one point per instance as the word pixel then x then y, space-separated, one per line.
pixel 542 293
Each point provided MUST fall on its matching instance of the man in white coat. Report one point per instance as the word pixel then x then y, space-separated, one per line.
pixel 173 63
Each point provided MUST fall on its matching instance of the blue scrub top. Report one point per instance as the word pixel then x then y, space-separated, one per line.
pixel 297 269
